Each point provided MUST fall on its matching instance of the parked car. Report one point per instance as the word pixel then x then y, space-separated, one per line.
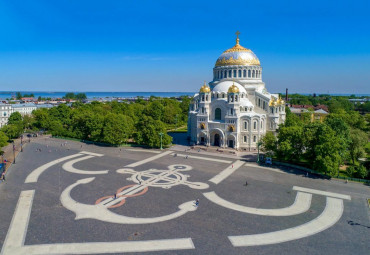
pixel 268 161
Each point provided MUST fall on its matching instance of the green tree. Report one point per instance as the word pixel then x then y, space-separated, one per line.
pixel 327 151
pixel 269 142
pixel 117 128
pixel 148 131
pixel 361 172
pixel 80 96
pixel 42 118
pixel 69 95
pixel 290 142
pixel 12 131
pixel 18 95
pixel 357 142
pixel 15 118
pixel 3 139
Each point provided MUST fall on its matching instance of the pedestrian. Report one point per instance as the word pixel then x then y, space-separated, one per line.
pixel 186 156
pixel 81 146
pixel 115 195
pixel 307 174
pixel 197 202
pixel 3 177
pixel 232 166
pixel 246 183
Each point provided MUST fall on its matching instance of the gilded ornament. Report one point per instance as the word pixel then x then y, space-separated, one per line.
pixel 238 61
pixel 233 89
pixel 205 88
pixel 231 128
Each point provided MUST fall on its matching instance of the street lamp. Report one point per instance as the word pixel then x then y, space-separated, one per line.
pixel 161 134
pixel 13 152
pixel 259 143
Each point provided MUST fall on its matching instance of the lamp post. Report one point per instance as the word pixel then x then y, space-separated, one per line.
pixel 21 143
pixel 13 152
pixel 161 134
pixel 259 143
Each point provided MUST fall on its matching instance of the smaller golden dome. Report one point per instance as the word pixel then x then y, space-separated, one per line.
pixel 205 88
pixel 233 89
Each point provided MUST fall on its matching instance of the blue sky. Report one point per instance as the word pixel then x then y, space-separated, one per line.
pixel 306 46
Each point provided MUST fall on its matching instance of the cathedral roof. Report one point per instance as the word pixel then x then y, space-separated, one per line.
pixel 223 87
pixel 237 55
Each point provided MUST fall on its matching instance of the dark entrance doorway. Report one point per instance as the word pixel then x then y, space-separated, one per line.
pixel 217 140
pixel 231 143
pixel 202 140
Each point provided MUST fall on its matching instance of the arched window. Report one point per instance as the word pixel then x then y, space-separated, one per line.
pixel 236 98
pixel 223 95
pixel 246 125
pixel 253 74
pixel 218 114
pixel 232 111
pixel 230 74
pixel 246 109
pixel 240 73
pixel 206 97
pixel 244 73
pixel 249 73
pixel 217 96
pixel 261 124
pixel 225 75
pixel 255 125
pixel 234 73
pixel 203 98
pixel 254 138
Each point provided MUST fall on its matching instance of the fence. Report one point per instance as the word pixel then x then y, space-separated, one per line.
pixel 318 173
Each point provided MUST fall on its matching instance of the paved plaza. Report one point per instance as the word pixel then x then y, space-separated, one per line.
pixel 73 198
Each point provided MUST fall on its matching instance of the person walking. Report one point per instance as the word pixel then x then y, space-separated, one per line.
pixel 3 177
pixel 197 202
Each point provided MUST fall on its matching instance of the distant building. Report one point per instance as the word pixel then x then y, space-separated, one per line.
pixel 318 113
pixel 24 109
pixel 5 111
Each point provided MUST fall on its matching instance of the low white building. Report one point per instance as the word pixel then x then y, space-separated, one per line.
pixel 24 109
pixel 5 111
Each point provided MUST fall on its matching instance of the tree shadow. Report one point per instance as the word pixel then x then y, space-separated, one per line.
pixel 179 138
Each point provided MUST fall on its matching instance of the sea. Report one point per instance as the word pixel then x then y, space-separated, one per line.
pixel 97 95
pixel 92 95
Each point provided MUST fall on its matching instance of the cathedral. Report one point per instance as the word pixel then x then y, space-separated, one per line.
pixel 234 110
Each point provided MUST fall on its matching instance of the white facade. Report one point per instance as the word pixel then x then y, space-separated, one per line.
pixel 5 111
pixel 235 109
pixel 24 109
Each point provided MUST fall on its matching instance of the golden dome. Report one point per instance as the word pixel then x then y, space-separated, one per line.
pixel 233 89
pixel 238 55
pixel 205 88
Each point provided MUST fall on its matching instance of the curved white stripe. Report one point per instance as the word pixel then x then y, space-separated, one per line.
pixel 100 212
pixel 301 204
pixel 332 213
pixel 68 166
pixel 35 174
